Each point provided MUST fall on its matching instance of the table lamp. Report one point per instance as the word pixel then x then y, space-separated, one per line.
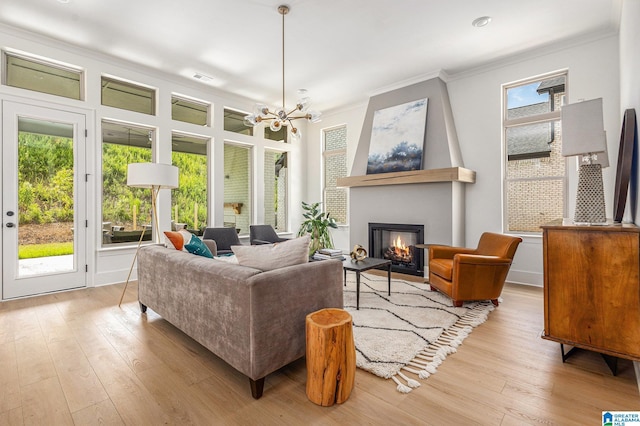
pixel 154 176
pixel 583 135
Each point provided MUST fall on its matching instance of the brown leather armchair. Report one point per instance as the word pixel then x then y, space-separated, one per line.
pixel 472 274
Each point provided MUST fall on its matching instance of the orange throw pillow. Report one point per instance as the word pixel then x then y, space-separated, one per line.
pixel 176 239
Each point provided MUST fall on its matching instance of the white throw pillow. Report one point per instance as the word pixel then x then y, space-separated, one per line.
pixel 273 256
pixel 227 259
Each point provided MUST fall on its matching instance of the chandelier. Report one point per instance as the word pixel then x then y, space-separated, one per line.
pixel 278 117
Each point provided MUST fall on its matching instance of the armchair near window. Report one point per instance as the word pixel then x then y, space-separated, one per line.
pixel 263 234
pixel 473 274
pixel 224 238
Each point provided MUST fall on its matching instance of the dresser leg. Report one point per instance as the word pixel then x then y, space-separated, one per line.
pixel 566 355
pixel 612 362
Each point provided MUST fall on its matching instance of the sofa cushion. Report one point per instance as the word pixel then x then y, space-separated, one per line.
pixel 174 239
pixel 273 256
pixel 196 246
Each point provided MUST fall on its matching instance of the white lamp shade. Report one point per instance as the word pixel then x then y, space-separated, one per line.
pixel 601 158
pixel 583 128
pixel 148 175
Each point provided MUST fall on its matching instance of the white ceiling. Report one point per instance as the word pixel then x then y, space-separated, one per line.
pixel 340 50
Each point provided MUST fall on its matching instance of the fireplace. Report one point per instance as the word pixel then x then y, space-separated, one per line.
pixel 397 243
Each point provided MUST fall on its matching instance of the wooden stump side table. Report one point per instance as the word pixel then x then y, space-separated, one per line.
pixel 331 356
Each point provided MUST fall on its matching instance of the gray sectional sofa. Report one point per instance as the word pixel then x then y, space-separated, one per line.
pixel 253 320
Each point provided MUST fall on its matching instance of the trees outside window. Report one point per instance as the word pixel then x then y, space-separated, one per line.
pixel 125 210
pixel 189 202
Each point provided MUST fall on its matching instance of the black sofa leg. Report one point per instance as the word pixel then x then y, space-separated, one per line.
pixel 143 308
pixel 257 386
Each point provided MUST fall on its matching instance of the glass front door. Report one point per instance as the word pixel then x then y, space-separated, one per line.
pixel 43 199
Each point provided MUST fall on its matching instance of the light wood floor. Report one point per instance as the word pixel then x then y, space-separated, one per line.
pixel 76 358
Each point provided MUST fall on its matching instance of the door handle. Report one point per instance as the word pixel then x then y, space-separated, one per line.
pixel 10 225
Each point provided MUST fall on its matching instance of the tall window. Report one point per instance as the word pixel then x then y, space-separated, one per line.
pixel 335 166
pixel 126 211
pixel 276 175
pixel 189 201
pixel 237 187
pixel 535 183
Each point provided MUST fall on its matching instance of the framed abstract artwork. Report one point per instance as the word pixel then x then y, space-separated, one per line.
pixel 397 138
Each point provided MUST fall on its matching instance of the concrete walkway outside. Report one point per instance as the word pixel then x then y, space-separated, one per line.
pixel 45 265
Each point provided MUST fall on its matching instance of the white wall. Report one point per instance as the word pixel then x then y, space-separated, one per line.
pixel 477 106
pixel 111 265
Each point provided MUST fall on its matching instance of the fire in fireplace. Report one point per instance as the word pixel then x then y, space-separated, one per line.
pixel 397 242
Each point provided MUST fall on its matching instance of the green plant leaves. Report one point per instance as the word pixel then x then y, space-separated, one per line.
pixel 317 224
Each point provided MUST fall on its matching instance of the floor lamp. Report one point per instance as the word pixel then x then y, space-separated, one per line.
pixel 583 135
pixel 154 176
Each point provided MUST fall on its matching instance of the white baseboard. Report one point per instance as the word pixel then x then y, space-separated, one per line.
pixel 525 277
pixel 114 277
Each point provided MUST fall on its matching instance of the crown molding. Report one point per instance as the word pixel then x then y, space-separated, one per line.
pixel 532 53
pixel 441 74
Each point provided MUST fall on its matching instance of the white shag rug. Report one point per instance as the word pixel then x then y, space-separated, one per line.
pixel 407 335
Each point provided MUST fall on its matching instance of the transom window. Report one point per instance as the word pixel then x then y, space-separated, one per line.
pixel 129 96
pixel 280 135
pixel 42 76
pixel 234 122
pixel 190 111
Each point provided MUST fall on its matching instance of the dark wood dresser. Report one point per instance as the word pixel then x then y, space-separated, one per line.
pixel 592 287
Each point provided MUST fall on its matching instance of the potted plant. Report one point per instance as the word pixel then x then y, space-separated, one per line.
pixel 317 224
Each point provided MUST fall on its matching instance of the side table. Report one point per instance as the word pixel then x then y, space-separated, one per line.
pixel 364 265
pixel 331 356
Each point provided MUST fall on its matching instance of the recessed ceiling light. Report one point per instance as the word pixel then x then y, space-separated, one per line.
pixel 64 1
pixel 481 21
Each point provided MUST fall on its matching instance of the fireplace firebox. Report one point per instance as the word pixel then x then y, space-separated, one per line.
pixel 397 243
